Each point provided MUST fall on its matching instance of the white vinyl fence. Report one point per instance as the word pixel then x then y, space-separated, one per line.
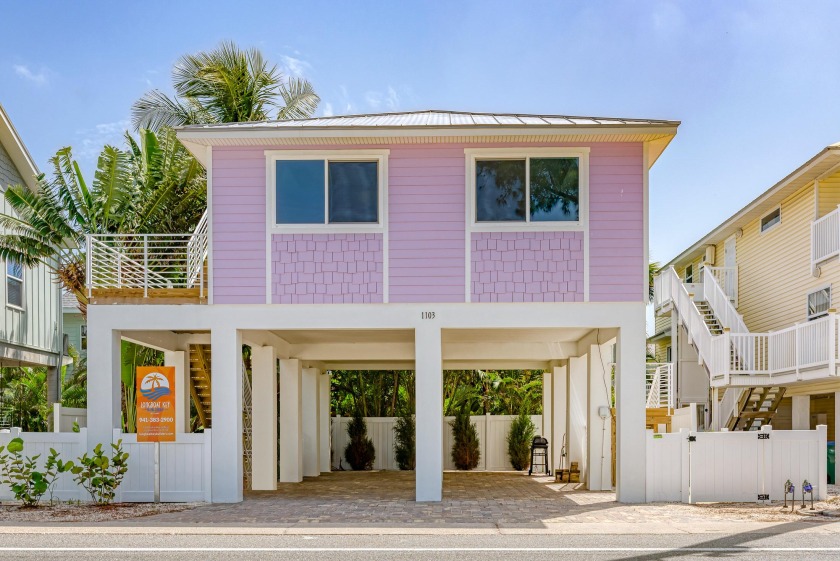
pixel 70 445
pixel 741 466
pixel 492 435
pixel 64 417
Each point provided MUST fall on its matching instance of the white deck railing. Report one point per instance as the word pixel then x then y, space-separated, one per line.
pixel 727 279
pixel 147 261
pixel 659 378
pixel 720 300
pixel 825 237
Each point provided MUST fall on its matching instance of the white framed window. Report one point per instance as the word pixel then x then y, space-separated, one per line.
pixel 329 191
pixel 519 189
pixel 83 337
pixel 14 284
pixel 689 273
pixel 771 219
pixel 668 353
pixel 819 302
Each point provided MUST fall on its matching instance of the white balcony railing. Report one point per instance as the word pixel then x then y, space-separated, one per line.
pixel 659 379
pixel 727 279
pixel 825 238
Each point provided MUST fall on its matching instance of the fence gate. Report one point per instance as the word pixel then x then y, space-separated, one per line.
pixel 726 466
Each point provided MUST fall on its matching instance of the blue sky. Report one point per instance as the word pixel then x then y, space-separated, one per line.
pixel 755 83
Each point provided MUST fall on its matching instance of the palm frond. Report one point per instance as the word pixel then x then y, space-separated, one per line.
pixel 299 99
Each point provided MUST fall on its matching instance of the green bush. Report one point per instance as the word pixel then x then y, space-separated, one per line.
pixel 404 442
pixel 20 472
pixel 359 452
pixel 465 447
pixel 519 441
pixel 100 475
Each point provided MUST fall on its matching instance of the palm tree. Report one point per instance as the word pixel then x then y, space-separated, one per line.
pixel 154 185
pixel 225 85
pixel 653 271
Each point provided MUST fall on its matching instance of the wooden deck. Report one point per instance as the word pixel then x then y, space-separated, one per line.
pixel 154 296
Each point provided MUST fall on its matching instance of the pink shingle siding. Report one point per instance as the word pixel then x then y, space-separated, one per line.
pixel 326 268
pixel 527 267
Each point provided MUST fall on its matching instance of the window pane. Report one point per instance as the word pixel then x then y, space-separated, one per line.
pixel 354 194
pixel 14 269
pixel 771 219
pixel 300 192
pixel 819 302
pixel 499 190
pixel 14 292
pixel 554 190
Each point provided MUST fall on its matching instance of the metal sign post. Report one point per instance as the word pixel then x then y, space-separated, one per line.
pixel 157 472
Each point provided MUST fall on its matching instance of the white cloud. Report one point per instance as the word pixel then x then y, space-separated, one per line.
pixel 295 66
pixel 91 141
pixel 24 72
pixel 388 100
pixel 328 109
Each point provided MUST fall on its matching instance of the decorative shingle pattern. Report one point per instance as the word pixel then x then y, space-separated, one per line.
pixel 527 267
pixel 327 268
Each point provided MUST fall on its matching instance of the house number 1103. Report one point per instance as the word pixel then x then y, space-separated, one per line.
pixel 427 315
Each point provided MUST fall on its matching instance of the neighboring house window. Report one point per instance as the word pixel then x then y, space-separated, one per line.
pixel 819 302
pixel 83 336
pixel 536 189
pixel 667 354
pixel 770 220
pixel 14 283
pixel 689 274
pixel 331 190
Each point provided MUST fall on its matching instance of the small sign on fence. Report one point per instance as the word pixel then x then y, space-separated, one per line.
pixel 155 404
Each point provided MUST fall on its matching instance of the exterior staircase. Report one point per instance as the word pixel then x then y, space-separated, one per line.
pixel 756 407
pixel 709 318
pixel 200 368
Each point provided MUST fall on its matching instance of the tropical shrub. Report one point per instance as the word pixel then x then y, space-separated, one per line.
pixel 100 475
pixel 519 441
pixel 359 452
pixel 465 446
pixel 21 473
pixel 404 449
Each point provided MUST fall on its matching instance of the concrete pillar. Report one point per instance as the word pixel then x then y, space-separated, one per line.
pixel 599 439
pixel 429 417
pixel 576 418
pixel 291 422
pixel 558 431
pixel 630 411
pixel 181 361
pixel 324 421
pixel 801 412
pixel 103 388
pixel 311 421
pixel 263 419
pixel 547 405
pixel 716 420
pixel 226 396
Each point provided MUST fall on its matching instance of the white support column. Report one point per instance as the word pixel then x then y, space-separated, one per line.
pixel 324 421
pixel 675 357
pixel 311 421
pixel 181 361
pixel 559 389
pixel 103 388
pixel 716 421
pixel 630 411
pixel 801 412
pixel 429 417
pixel 598 397
pixel 263 419
pixel 226 396
pixel 576 418
pixel 291 422
pixel 547 403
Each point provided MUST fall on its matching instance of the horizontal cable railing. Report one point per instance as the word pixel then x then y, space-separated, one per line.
pixel 825 237
pixel 197 251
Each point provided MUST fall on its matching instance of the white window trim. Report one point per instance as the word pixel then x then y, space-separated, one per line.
pixel 380 156
pixel 83 338
pixel 473 154
pixel 818 315
pixel 22 289
pixel 761 229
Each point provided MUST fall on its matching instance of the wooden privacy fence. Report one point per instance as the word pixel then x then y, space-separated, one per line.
pixel 741 466
pixel 492 436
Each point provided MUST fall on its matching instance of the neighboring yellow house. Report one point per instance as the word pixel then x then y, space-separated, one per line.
pixel 761 338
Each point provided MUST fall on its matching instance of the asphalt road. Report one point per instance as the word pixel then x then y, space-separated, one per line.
pixel 165 547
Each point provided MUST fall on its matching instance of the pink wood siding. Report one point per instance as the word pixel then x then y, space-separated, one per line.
pixel 426 197
pixel 527 267
pixel 326 268
pixel 239 272
pixel 616 223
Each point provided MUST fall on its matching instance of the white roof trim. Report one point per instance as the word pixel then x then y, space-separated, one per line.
pixel 20 156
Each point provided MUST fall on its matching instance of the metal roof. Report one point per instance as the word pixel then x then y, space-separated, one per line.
pixel 69 301
pixel 435 118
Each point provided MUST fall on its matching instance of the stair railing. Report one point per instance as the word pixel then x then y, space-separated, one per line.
pixel 721 304
pixel 197 248
pixel 727 279
pixel 659 382
pixel 696 326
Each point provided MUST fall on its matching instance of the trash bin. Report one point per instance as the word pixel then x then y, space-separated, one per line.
pixel 832 478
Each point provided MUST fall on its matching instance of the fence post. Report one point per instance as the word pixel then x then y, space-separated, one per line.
pixel 649 465
pixel 727 368
pixel 822 463
pixel 685 466
pixel 145 266
pixel 116 435
pixel 208 466
pixel 832 342
pixel 766 465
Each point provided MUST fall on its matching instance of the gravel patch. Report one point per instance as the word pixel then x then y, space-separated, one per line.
pixel 66 512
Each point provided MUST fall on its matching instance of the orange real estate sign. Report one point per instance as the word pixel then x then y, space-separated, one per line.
pixel 155 404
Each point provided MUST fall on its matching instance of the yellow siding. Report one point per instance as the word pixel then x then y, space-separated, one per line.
pixel 774 267
pixel 829 194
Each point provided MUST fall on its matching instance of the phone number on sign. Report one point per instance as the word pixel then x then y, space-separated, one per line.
pixel 156 419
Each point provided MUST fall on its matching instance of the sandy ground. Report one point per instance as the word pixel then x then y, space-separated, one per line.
pixel 64 512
